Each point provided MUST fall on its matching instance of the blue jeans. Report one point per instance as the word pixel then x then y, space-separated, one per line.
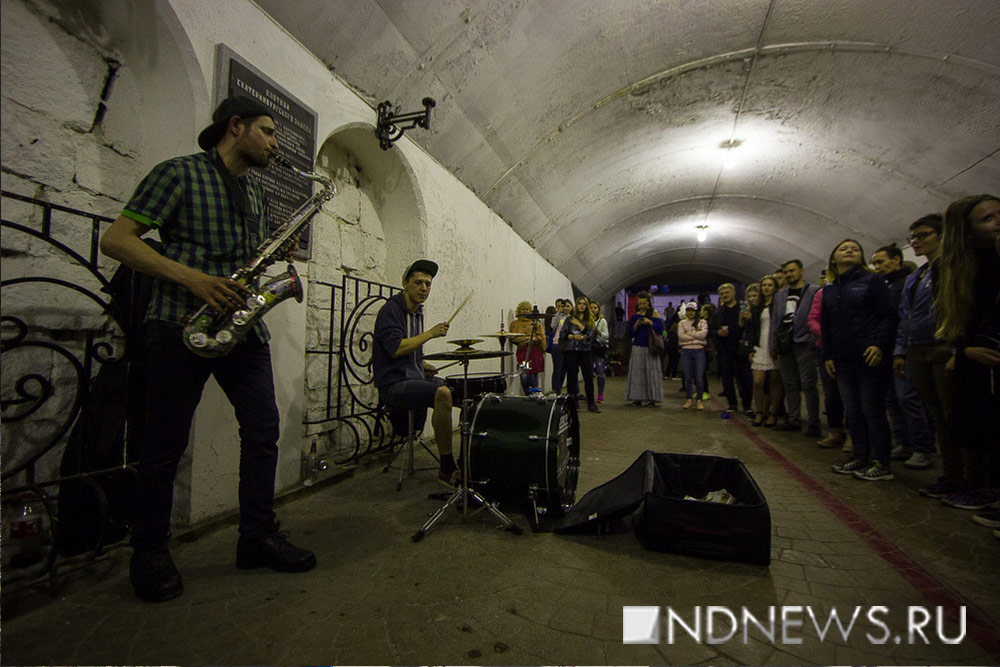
pixel 863 389
pixel 693 364
pixel 600 371
pixel 800 373
pixel 558 372
pixel 909 419
pixel 176 379
pixel 528 381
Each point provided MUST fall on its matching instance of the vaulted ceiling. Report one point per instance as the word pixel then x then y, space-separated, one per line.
pixel 606 131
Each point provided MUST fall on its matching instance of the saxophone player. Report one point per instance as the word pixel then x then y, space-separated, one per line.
pixel 210 218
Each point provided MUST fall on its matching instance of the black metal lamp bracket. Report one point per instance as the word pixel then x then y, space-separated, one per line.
pixel 392 126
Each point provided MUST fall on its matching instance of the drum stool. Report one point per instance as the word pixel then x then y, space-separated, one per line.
pixel 411 424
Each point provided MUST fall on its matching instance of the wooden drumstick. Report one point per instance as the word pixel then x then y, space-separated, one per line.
pixel 449 365
pixel 460 306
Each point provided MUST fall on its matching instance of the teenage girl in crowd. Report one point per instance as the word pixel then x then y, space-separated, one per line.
pixel 968 313
pixel 692 332
pixel 768 390
pixel 533 338
pixel 575 338
pixel 645 383
pixel 831 395
pixel 857 324
pixel 599 348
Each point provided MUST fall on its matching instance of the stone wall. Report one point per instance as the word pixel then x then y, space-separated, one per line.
pixel 96 92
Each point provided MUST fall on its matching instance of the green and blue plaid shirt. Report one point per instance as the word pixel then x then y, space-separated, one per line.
pixel 200 225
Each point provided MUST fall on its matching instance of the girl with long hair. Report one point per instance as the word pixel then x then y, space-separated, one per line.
pixel 857 322
pixel 692 332
pixel 768 390
pixel 645 381
pixel 576 336
pixel 967 306
pixel 599 348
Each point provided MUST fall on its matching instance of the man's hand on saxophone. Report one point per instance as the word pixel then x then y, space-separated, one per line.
pixel 222 294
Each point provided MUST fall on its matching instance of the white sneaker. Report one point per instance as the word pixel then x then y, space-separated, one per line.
pixel 918 461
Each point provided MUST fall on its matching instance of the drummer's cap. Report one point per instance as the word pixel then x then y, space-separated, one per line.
pixel 691 306
pixel 422 266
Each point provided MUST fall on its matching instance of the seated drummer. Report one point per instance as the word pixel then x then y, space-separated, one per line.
pixel 404 380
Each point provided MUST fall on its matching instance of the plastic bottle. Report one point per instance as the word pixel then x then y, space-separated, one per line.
pixel 310 465
pixel 26 532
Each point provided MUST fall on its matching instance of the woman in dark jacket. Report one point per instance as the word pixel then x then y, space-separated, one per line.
pixel 645 380
pixel 857 321
pixel 575 338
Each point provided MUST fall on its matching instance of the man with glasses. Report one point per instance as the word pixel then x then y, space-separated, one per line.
pixel 920 354
pixel 914 437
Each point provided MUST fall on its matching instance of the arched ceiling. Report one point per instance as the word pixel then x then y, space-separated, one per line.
pixel 599 128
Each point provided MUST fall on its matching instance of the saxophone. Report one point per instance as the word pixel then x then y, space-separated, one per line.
pixel 209 333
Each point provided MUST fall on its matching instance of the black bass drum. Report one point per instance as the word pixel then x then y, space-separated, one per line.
pixel 523 450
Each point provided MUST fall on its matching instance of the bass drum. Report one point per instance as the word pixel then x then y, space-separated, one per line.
pixel 522 449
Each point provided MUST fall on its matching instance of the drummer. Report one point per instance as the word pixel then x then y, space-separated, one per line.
pixel 404 380
pixel 533 338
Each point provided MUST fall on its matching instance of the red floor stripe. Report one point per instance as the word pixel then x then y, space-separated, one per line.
pixel 979 625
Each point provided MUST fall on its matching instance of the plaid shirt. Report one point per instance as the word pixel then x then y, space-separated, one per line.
pixel 186 200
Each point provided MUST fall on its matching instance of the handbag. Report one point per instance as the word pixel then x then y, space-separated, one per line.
pixel 656 345
pixel 744 347
pixel 783 338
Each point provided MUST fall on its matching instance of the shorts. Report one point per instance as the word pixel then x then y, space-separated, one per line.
pixel 410 394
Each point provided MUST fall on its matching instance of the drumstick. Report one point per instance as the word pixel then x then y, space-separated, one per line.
pixel 451 364
pixel 460 306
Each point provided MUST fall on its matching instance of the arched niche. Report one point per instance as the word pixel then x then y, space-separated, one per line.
pixel 378 225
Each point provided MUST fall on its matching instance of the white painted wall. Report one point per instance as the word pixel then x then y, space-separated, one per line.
pixel 53 73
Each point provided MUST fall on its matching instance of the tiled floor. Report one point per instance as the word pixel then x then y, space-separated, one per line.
pixel 471 594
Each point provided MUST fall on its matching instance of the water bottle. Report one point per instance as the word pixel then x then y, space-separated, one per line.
pixel 310 465
pixel 26 532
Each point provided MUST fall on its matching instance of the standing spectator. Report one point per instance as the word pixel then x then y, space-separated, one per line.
pixel 668 312
pixel 914 436
pixel 768 389
pixel 831 395
pixel 619 321
pixel 575 338
pixel 711 316
pixel 799 365
pixel 563 306
pixel 968 311
pixel 919 353
pixel 857 325
pixel 734 369
pixel 673 350
pixel 645 381
pixel 599 348
pixel 530 346
pixel 692 332
pixel 779 278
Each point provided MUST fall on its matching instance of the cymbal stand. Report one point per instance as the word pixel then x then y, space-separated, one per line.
pixel 464 493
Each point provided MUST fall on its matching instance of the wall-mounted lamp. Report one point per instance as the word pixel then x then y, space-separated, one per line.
pixel 391 126
pixel 702 233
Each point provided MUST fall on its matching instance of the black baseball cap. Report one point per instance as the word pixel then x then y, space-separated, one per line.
pixel 423 266
pixel 244 107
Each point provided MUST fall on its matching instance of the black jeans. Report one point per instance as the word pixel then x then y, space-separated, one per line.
pixel 735 369
pixel 176 379
pixel 573 360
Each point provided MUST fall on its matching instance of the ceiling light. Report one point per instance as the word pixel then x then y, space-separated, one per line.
pixel 702 233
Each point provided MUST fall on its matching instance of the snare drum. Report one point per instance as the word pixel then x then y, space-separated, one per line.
pixel 521 449
pixel 478 383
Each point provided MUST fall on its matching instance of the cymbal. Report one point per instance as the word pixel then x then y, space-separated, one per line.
pixel 466 342
pixel 461 355
pixel 504 334
pixel 535 316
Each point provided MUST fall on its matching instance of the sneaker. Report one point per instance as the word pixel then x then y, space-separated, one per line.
pixel 593 408
pixel 832 439
pixel 918 461
pixel 813 431
pixel 600 398
pixel 451 479
pixel 788 426
pixel 688 404
pixel 732 408
pixel 899 453
pixel 750 413
pixel 877 471
pixel 989 518
pixel 942 487
pixel 705 396
pixel 699 406
pixel 270 548
pixel 977 499
pixel 850 467
pixel 153 575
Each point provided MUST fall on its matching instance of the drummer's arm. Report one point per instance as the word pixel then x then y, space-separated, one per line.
pixel 408 345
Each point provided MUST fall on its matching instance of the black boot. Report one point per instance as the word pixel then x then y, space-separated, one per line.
pixel 269 547
pixel 153 575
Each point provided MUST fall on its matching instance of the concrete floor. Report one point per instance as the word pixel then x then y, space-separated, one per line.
pixel 471 594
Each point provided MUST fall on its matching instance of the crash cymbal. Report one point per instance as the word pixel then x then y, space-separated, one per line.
pixel 502 334
pixel 535 316
pixel 465 342
pixel 462 354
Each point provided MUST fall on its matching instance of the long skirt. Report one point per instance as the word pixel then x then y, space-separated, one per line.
pixel 644 376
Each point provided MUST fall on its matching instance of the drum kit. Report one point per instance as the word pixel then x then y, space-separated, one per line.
pixel 515 449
